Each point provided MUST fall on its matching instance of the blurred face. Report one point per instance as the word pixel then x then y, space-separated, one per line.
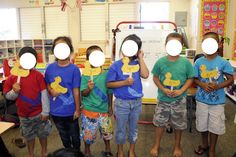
pixel 62 50
pixel 173 46
pixel 210 44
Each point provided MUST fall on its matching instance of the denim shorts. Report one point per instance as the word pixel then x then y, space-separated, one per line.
pixel 33 127
pixel 174 113
pixel 127 114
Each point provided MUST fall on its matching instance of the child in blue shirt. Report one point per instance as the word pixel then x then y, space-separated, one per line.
pixel 128 93
pixel 65 107
pixel 210 97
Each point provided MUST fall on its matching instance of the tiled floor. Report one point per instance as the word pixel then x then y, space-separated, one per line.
pixel 226 144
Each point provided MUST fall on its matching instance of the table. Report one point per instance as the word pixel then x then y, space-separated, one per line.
pixel 190 102
pixel 5 126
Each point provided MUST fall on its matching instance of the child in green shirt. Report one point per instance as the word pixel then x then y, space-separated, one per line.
pixel 172 75
pixel 97 108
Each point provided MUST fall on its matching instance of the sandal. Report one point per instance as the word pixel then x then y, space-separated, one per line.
pixel 108 154
pixel 200 150
pixel 19 142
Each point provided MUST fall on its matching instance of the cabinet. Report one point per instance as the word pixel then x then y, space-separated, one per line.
pixel 9 48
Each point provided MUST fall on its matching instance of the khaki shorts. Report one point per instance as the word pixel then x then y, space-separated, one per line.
pixel 174 113
pixel 33 127
pixel 210 118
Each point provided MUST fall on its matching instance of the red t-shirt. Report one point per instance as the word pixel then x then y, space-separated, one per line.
pixel 29 100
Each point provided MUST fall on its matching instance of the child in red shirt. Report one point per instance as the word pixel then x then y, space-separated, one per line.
pixel 32 105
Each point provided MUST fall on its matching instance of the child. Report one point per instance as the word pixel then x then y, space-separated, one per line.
pixel 65 106
pixel 97 108
pixel 210 97
pixel 128 93
pixel 32 105
pixel 171 107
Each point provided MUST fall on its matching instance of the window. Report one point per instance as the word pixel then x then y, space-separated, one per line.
pixel 56 22
pixel 9 24
pixel 93 22
pixel 31 23
pixel 154 11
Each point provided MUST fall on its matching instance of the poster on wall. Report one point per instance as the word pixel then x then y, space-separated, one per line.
pixel 214 16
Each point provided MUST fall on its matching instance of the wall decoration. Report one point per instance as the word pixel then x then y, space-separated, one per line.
pixel 214 16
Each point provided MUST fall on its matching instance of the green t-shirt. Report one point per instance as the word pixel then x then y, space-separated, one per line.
pixel 97 100
pixel 172 74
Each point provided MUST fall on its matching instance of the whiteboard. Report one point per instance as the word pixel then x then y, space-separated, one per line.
pixel 153 46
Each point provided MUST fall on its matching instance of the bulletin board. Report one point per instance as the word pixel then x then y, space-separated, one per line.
pixel 214 16
pixel 153 46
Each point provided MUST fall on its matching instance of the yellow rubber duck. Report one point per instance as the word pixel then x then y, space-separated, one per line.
pixel 129 68
pixel 169 82
pixel 208 74
pixel 16 71
pixel 57 87
pixel 89 71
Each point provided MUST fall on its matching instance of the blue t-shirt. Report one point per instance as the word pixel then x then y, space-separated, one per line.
pixel 63 105
pixel 212 70
pixel 131 92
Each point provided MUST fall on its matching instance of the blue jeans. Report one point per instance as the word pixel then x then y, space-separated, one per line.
pixel 69 131
pixel 127 114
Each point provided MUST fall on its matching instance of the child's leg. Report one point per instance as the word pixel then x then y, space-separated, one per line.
pixel 177 148
pixel 87 151
pixel 160 120
pixel 202 121
pixel 216 126
pixel 136 108
pixel 74 133
pixel 213 141
pixel 158 134
pixel 107 145
pixel 105 127
pixel 122 110
pixel 179 122
pixel 30 146
pixel 88 133
pixel 61 123
pixel 205 139
pixel 43 143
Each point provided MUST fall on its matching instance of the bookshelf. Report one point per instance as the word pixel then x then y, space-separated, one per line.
pixel 9 48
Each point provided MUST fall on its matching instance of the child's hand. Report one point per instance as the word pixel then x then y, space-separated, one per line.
pixel 213 86
pixel 176 93
pixel 129 81
pixel 206 87
pixel 140 54
pixel 16 87
pixel 43 117
pixel 54 93
pixel 76 114
pixel 90 84
pixel 167 92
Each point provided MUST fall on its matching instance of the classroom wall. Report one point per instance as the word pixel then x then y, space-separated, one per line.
pixel 231 20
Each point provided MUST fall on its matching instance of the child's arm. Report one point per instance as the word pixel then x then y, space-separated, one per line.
pixel 116 84
pixel 45 105
pixel 90 87
pixel 51 91
pixel 205 86
pixel 110 110
pixel 144 72
pixel 11 91
pixel 158 83
pixel 76 94
pixel 187 84
pixel 229 81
